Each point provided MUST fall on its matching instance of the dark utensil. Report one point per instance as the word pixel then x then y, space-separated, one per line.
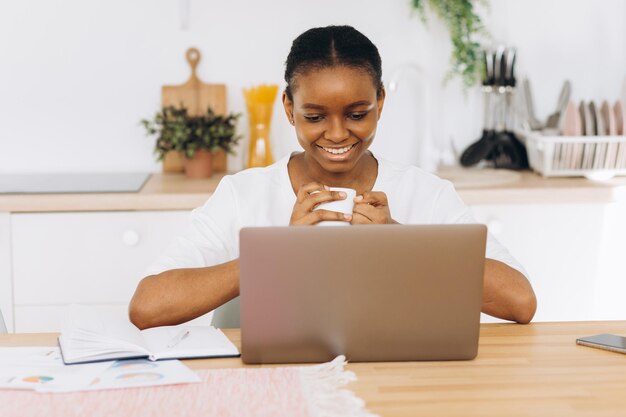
pixel 498 140
pixel 509 74
pixel 480 149
pixel 497 143
pixel 507 151
pixel 503 151
pixel 499 66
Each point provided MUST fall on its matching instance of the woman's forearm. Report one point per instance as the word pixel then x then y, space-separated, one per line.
pixel 507 294
pixel 179 295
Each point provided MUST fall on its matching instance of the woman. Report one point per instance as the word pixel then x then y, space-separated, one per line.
pixel 334 98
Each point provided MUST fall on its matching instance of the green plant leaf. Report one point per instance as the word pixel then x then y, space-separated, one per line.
pixel 176 130
pixel 466 29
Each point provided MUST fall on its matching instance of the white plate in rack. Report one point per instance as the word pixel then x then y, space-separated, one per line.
pixel 542 149
pixel 618 109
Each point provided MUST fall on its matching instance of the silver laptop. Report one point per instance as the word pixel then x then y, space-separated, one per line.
pixel 371 293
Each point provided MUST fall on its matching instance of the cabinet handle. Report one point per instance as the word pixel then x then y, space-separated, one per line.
pixel 130 238
pixel 495 227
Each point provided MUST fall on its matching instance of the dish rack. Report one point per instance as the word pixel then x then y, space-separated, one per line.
pixel 593 157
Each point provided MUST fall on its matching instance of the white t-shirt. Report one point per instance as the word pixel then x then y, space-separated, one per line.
pixel 264 197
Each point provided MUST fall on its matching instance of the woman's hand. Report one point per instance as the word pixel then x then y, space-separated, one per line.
pixel 309 196
pixel 372 208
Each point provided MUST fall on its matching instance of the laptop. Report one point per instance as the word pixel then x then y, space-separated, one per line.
pixel 371 293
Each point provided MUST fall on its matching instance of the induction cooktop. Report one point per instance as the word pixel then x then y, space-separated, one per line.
pixel 117 182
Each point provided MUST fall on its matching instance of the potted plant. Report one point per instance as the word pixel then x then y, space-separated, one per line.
pixel 195 137
pixel 170 127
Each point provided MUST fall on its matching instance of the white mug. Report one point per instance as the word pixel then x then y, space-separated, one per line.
pixel 343 206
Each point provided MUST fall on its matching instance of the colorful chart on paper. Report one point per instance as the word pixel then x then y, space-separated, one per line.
pixel 38 379
pixel 140 377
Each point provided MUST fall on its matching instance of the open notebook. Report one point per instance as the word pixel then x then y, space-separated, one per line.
pixel 91 335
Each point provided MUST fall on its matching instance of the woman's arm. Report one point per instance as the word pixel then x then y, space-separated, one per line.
pixel 507 294
pixel 179 295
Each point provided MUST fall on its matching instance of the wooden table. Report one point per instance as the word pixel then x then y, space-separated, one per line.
pixel 531 370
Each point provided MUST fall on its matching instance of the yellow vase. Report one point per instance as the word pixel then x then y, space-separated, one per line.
pixel 260 102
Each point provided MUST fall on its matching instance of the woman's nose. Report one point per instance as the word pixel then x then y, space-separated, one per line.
pixel 337 131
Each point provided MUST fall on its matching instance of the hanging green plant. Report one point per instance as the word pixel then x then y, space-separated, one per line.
pixel 466 30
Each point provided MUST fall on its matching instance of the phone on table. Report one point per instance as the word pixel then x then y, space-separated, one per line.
pixel 605 341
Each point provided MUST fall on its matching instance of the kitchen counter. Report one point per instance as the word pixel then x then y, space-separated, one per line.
pixel 475 186
pixel 160 192
pixel 490 186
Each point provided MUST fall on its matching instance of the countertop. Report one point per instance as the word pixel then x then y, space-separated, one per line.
pixel 475 186
pixel 160 192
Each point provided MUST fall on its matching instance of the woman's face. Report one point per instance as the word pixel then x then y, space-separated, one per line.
pixel 335 112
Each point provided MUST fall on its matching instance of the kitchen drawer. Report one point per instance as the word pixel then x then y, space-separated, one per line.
pixel 95 257
pixel 49 318
pixel 6 285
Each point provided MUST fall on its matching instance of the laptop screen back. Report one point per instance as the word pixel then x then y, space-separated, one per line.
pixel 372 293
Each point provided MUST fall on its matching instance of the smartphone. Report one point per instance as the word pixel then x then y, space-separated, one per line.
pixel 605 341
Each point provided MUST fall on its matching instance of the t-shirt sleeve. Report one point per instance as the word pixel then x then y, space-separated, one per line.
pixel 210 238
pixel 449 208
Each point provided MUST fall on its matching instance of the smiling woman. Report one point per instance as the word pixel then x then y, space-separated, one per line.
pixel 333 128
pixel 334 98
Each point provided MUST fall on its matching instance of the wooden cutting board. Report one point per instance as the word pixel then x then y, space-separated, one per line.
pixel 197 96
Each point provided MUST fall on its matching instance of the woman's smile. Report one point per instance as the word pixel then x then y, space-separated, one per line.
pixel 335 153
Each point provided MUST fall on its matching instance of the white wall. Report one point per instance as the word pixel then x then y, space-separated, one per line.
pixel 77 76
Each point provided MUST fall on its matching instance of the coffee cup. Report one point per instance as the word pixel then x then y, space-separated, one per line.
pixel 342 206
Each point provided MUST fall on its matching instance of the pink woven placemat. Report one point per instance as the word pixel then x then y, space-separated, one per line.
pixel 308 391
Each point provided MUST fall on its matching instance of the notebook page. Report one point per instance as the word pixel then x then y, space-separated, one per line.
pixel 91 331
pixel 202 341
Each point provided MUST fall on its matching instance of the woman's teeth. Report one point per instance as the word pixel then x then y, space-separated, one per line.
pixel 337 151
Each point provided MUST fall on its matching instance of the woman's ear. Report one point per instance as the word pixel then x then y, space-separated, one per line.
pixel 288 105
pixel 380 99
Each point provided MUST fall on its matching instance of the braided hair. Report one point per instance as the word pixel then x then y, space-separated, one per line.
pixel 331 46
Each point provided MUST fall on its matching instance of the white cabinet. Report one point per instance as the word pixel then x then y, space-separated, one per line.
pixel 88 257
pixel 573 253
pixel 49 318
pixel 608 300
pixel 6 288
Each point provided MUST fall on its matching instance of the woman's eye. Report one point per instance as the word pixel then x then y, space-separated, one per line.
pixel 357 116
pixel 313 118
